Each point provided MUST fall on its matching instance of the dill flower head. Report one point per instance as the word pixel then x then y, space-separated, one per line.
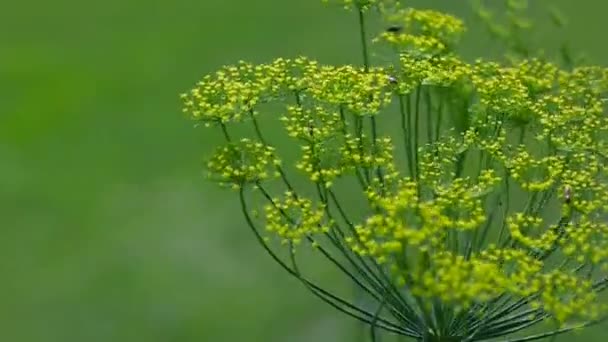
pixel 244 162
pixel 356 89
pixel 422 31
pixel 483 183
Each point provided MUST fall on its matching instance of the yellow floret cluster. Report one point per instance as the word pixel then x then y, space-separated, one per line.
pixel 312 124
pixel 294 219
pixel 521 226
pixel 244 162
pixel 359 91
pixel 426 32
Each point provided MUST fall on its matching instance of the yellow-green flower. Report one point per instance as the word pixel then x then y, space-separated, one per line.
pixel 468 200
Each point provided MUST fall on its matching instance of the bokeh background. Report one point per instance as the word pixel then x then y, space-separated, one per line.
pixel 108 229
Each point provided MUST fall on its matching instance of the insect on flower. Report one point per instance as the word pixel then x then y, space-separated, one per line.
pixel 567 194
pixel 394 29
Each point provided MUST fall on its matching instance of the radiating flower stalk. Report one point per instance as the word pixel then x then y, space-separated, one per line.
pixel 486 214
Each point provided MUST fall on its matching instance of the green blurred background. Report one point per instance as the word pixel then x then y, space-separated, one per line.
pixel 108 230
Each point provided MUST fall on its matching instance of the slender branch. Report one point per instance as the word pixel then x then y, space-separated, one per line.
pixel 363 36
pixel 416 128
pixel 406 128
pixel 516 328
pixel 344 133
pixel 225 132
pixel 559 331
pixel 367 274
pixel 439 116
pixel 429 116
pixel 321 249
pixel 377 289
pixel 385 279
pixel 258 132
pixel 506 208
pixel 326 296
pixel 376 315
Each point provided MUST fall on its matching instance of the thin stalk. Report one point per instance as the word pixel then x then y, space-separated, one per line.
pixel 359 132
pixel 344 133
pixel 337 236
pixel 321 249
pixel 406 128
pixel 459 169
pixel 439 117
pixel 376 288
pixel 391 287
pixel 558 332
pixel 256 127
pixel 225 132
pixel 363 36
pixel 486 229
pixel 513 327
pixel 373 324
pixel 416 133
pixel 522 135
pixel 366 65
pixel 506 208
pixel 519 318
pixel 324 295
pixel 429 116
pixel 258 133
pixel 600 285
pixel 381 286
pixel 493 317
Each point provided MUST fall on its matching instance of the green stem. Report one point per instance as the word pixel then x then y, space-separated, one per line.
pixel 359 133
pixel 328 297
pixel 416 132
pixel 366 65
pixel 405 120
pixel 429 115
pixel 336 236
pixel 225 132
pixel 398 306
pixel 522 135
pixel 505 212
pixel 373 336
pixel 344 134
pixel 258 133
pixel 363 36
pixel 410 317
pixel 559 331
pixel 321 249
pixel 439 117
pixel 486 228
